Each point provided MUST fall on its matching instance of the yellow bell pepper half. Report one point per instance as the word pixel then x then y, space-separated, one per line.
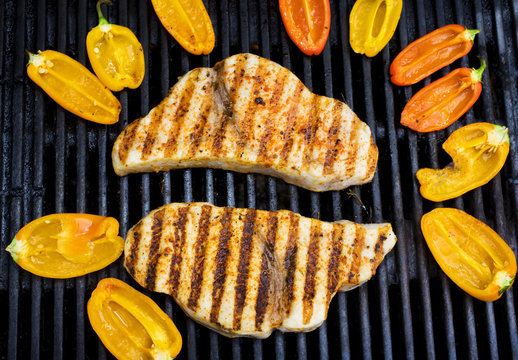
pixel 188 22
pixel 115 53
pixel 73 87
pixel 67 245
pixel 478 151
pixel 474 256
pixel 130 324
pixel 372 24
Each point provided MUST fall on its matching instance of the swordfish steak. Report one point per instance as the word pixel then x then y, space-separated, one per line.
pixel 245 272
pixel 250 114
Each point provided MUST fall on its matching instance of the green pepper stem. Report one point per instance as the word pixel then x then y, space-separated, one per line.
pixel 506 282
pixel 102 19
pixel 470 34
pixel 476 74
pixel 32 56
pixel 14 248
pixel 501 133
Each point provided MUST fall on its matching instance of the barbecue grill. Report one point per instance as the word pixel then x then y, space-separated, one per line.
pixel 54 162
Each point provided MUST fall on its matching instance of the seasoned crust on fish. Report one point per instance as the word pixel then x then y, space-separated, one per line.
pixel 245 272
pixel 250 114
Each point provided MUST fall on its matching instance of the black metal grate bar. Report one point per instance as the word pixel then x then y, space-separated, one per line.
pixel 81 187
pixel 39 114
pixel 509 90
pixel 400 226
pixel 480 215
pixel 16 175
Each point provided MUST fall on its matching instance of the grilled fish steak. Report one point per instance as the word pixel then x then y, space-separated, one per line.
pixel 250 114
pixel 245 272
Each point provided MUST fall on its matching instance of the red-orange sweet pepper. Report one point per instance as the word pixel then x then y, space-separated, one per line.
pixel 307 23
pixel 430 53
pixel 441 103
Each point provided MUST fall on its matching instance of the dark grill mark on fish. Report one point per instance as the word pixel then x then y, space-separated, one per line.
pixel 246 125
pixel 352 148
pixel 197 134
pixel 267 265
pixel 290 261
pixel 220 273
pixel 183 108
pixel 152 131
pixel 178 247
pixel 378 249
pixel 291 121
pixel 156 235
pixel 311 270
pixel 356 256
pixel 333 267
pixel 133 253
pixel 199 257
pixel 333 140
pixel 244 263
pixel 128 139
pixel 265 154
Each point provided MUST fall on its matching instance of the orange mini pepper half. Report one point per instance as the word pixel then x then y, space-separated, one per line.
pixel 473 256
pixel 442 102
pixel 67 245
pixel 73 87
pixel 188 22
pixel 478 151
pixel 430 53
pixel 130 324
pixel 307 22
pixel 115 53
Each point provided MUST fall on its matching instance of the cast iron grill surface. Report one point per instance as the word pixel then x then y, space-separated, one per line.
pixel 54 162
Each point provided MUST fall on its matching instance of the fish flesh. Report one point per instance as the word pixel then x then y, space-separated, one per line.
pixel 249 114
pixel 246 272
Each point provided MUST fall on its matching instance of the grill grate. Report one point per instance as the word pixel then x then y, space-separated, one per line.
pixel 53 162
